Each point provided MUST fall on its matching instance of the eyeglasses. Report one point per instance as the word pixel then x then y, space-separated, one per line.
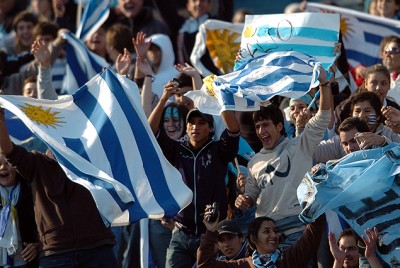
pixel 392 51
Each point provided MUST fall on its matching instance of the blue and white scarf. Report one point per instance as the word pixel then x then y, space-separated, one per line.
pixel 266 260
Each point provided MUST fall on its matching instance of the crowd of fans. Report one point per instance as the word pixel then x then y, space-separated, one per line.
pixel 47 220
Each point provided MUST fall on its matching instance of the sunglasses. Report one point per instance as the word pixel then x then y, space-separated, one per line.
pixel 392 51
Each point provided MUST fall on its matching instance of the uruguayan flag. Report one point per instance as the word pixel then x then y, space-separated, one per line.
pixel 308 33
pixel 362 33
pixel 286 73
pixel 82 64
pixel 94 15
pixel 364 189
pixel 101 138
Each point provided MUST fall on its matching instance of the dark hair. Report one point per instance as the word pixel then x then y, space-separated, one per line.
pixel 30 79
pixel 24 16
pixel 372 98
pixel 254 227
pixel 45 28
pixel 184 80
pixel 389 39
pixel 182 112
pixel 270 112
pixel 348 232
pixel 353 123
pixel 377 68
pixel 119 36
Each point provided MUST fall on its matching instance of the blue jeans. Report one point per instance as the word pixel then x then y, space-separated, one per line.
pixel 100 257
pixel 160 237
pixel 182 249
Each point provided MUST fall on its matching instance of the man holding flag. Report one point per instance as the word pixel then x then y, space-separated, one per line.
pixel 71 230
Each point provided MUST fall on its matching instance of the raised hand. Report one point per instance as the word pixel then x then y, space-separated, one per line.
pixel 140 44
pixel 336 252
pixel 41 52
pixel 187 69
pixel 123 62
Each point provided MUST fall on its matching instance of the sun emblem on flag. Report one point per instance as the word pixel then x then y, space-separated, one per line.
pixel 223 47
pixel 208 82
pixel 345 27
pixel 41 116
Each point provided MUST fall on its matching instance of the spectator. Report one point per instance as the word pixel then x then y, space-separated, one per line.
pixel 43 9
pixel 19 248
pixel 273 173
pixel 263 237
pixel 231 242
pixel 137 17
pixel 23 25
pixel 184 30
pixel 70 233
pixel 391 59
pixel 345 249
pixel 388 9
pixel 30 88
pixel 203 165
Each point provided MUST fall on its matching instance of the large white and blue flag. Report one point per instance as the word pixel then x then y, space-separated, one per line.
pixel 101 138
pixel 94 15
pixel 82 64
pixel 361 32
pixel 279 55
pixel 364 189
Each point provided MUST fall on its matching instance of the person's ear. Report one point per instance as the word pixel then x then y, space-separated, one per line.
pixel 253 239
pixel 279 126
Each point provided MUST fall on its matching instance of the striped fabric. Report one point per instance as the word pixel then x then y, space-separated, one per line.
pixel 94 15
pixel 100 136
pixel 362 33
pixel 287 73
pixel 82 64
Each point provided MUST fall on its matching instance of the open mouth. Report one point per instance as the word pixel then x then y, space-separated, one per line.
pixel 4 174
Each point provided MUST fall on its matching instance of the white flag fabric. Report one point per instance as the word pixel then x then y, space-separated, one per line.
pixel 82 64
pixel 101 138
pixel 222 40
pixel 361 32
pixel 364 189
pixel 280 55
pixel 94 15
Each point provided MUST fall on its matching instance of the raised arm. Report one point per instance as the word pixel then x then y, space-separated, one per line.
pixel 325 91
pixel 192 72
pixel 155 117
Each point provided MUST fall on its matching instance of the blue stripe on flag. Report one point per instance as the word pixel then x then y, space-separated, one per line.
pixel 106 132
pixel 93 180
pixel 366 59
pixel 73 61
pixel 284 33
pixel 376 23
pixel 77 146
pixel 94 14
pixel 151 161
pixel 373 38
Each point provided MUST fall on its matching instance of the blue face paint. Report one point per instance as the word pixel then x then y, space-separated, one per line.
pixel 372 119
pixel 171 112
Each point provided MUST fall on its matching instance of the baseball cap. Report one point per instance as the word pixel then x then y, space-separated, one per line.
pixel 196 113
pixel 228 227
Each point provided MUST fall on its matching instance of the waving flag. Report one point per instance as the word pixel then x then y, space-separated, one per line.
pixel 101 138
pixel 279 73
pixel 222 40
pixel 364 189
pixel 278 57
pixel 362 33
pixel 94 15
pixel 82 64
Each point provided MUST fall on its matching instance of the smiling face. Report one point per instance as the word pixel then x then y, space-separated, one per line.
pixel 296 106
pixel 130 8
pixel 378 83
pixel 198 8
pixel 267 238
pixel 24 33
pixel 230 244
pixel 97 42
pixel 7 173
pixel 173 123
pixel 268 133
pixel 348 244
pixel 386 8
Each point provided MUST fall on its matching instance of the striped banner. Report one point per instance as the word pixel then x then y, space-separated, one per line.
pixel 101 138
pixel 362 33
pixel 82 64
pixel 94 15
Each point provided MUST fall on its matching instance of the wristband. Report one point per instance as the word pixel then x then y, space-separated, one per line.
pixel 151 76
pixel 324 84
